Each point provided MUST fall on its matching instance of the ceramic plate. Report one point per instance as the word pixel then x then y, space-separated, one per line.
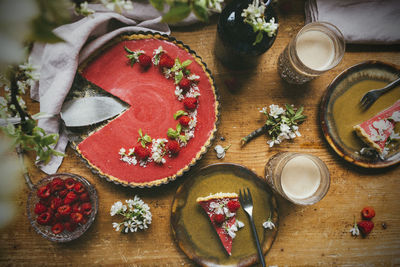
pixel 340 110
pixel 193 231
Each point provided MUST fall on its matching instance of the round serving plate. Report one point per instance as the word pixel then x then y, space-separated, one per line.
pixel 108 73
pixel 193 231
pixel 340 110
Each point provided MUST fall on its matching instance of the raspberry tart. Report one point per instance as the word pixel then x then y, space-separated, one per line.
pixel 221 210
pixel 172 115
pixel 379 131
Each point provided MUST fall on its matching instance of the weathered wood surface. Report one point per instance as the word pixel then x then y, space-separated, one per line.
pixel 314 235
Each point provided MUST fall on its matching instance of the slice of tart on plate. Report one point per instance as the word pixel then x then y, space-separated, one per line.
pixel 378 132
pixel 221 210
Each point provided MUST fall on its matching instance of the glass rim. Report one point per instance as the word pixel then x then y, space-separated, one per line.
pixel 330 27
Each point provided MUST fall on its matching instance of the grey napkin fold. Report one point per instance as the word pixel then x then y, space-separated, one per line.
pixel 360 21
pixel 58 62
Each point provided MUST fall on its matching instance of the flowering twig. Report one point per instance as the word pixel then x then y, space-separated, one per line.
pixel 136 213
pixel 254 16
pixel 355 231
pixel 268 224
pixel 281 124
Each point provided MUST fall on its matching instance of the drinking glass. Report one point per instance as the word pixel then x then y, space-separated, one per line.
pixel 317 48
pixel 301 178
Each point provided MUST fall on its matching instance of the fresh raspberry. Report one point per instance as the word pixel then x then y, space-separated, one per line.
pixel 190 103
pixel 84 197
pixel 69 183
pixel 173 147
pixel 44 218
pixel 57 184
pixel 57 228
pixel 365 227
pixel 144 61
pixel 55 203
pixel 184 84
pixel 184 120
pixel 233 205
pixel 46 201
pixel 166 61
pixel 44 192
pixel 142 152
pixel 58 217
pixel 218 218
pixel 368 213
pixel 70 226
pixel 76 217
pixel 63 193
pixel 87 208
pixel 64 210
pixel 79 188
pixel 40 208
pixel 70 198
pixel 76 207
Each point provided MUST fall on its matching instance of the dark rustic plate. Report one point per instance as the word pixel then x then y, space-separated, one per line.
pixel 340 110
pixel 194 233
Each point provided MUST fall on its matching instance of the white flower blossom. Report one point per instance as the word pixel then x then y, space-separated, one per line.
pixel 215 5
pixel 396 116
pixel 117 5
pixel 275 111
pixel 117 207
pixel 239 224
pixel 355 231
pixel 136 213
pixel 83 9
pixel 268 224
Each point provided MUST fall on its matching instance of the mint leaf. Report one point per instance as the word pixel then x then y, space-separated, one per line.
pixel 178 77
pixel 200 10
pixel 171 133
pixel 180 113
pixel 186 63
pixel 158 4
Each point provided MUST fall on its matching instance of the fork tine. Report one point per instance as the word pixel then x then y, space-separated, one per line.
pixel 240 197
pixel 249 195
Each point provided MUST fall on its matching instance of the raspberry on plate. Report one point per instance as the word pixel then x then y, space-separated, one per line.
pixel 57 184
pixel 87 208
pixel 44 218
pixel 79 188
pixel 84 197
pixel 76 217
pixel 57 228
pixel 40 208
pixel 64 210
pixel 365 227
pixel 55 203
pixel 233 205
pixel 184 84
pixel 368 213
pixel 144 61
pixel 218 218
pixel 70 226
pixel 44 192
pixel 70 198
pixel 69 183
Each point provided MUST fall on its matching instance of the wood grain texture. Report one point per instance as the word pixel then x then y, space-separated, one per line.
pixel 317 235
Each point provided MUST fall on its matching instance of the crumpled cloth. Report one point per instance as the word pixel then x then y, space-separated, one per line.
pixel 360 21
pixel 58 62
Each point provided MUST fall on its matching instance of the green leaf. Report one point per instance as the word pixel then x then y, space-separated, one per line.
pixel 179 128
pixel 147 138
pixel 183 138
pixel 186 63
pixel 158 4
pixel 140 133
pixel 200 10
pixel 289 109
pixel 180 113
pixel 177 12
pixel 178 77
pixel 128 51
pixel 172 133
pixel 259 37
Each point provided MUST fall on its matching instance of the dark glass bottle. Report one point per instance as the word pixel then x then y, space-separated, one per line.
pixel 234 44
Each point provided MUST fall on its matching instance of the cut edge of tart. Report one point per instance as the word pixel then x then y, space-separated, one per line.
pixel 376 131
pixel 204 147
pixel 221 210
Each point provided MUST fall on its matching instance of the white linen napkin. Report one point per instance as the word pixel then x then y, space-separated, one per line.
pixel 360 21
pixel 58 62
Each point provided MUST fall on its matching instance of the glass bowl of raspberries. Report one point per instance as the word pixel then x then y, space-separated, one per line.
pixel 61 207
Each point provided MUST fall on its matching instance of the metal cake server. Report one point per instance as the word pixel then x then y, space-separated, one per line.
pixel 90 110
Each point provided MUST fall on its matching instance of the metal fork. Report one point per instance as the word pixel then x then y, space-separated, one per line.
pixel 246 202
pixel 370 97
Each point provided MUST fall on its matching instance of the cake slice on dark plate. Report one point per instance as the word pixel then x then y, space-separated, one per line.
pixel 221 209
pixel 378 131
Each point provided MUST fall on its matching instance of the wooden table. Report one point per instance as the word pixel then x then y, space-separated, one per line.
pixel 313 235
